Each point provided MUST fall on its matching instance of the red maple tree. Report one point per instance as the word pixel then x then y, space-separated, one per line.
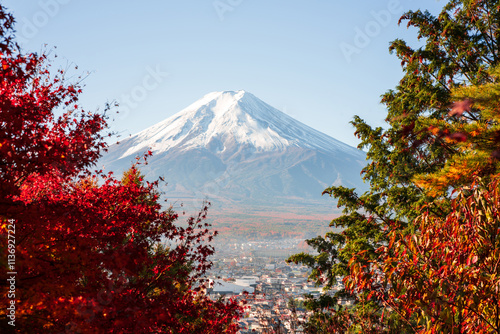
pixel 93 254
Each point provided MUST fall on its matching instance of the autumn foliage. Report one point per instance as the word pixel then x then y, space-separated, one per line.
pixel 93 254
pixel 446 275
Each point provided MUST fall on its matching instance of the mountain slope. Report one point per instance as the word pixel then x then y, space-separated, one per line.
pixel 234 148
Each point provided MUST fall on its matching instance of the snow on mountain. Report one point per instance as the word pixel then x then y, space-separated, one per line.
pixel 234 117
pixel 232 147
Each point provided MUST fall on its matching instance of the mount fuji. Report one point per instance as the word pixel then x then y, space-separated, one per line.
pixel 235 149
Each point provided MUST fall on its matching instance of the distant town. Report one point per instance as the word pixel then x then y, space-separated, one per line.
pixel 274 291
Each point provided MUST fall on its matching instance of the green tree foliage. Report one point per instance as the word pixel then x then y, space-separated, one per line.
pixel 475 133
pixel 428 138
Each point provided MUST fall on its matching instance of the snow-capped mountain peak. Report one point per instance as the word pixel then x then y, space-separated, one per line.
pixel 227 119
pixel 232 147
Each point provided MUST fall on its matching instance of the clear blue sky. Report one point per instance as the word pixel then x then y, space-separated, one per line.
pixel 320 61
